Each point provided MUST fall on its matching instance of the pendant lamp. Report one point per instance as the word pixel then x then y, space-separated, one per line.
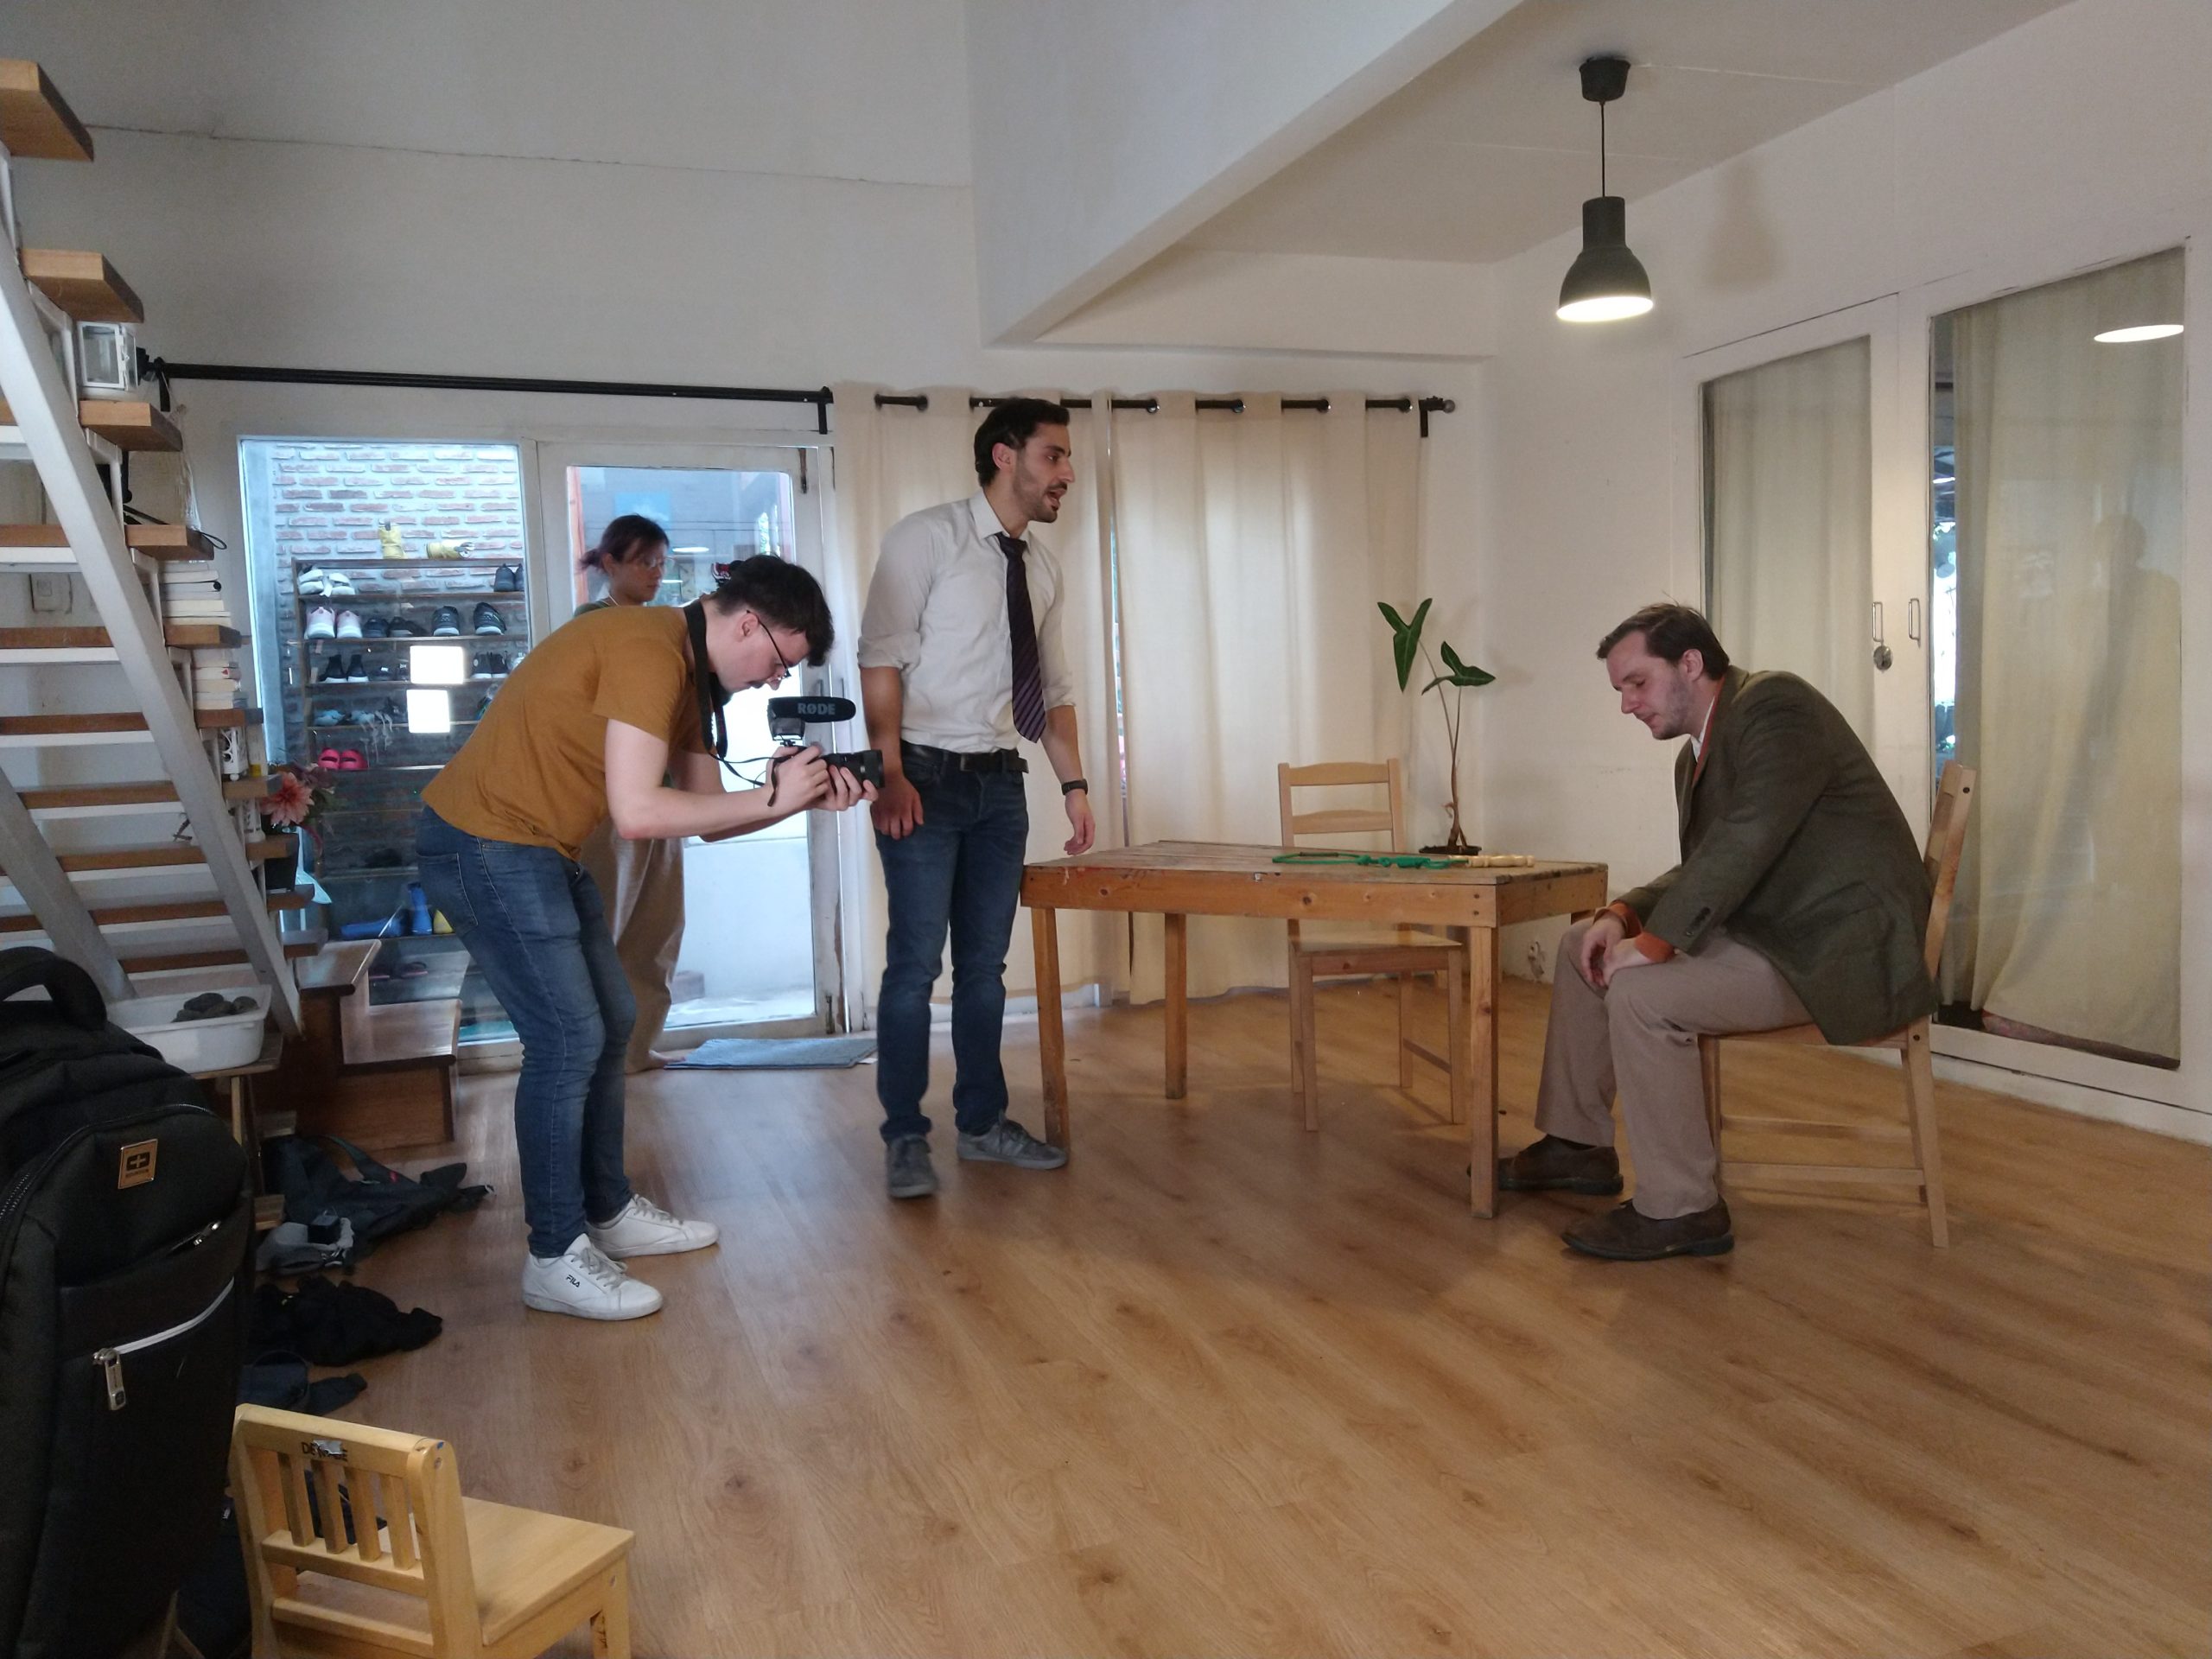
pixel 1606 282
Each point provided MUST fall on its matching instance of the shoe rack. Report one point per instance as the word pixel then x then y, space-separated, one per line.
pixel 353 625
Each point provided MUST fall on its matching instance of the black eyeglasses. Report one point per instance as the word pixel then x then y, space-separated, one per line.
pixel 783 666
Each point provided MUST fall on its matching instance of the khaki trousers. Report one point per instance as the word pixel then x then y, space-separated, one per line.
pixel 1641 1034
pixel 641 883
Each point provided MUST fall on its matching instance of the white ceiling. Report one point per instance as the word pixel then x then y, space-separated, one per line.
pixel 1492 151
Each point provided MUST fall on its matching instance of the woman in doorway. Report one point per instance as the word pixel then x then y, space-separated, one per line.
pixel 641 882
pixel 593 724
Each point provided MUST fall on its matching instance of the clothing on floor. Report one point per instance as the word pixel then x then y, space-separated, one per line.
pixel 328 1324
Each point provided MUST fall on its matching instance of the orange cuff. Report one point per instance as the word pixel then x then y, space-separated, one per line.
pixel 1655 948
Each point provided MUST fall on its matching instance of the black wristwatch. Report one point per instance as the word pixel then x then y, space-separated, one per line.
pixel 1073 785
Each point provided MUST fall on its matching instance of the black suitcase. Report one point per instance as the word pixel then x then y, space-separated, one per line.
pixel 126 1223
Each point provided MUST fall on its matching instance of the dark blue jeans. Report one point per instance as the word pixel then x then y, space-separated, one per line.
pixel 534 922
pixel 959 871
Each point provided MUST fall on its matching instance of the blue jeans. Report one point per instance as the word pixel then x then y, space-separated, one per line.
pixel 534 923
pixel 959 870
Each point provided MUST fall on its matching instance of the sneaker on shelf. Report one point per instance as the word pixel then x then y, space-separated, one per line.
pixel 351 760
pixel 393 712
pixel 356 670
pixel 507 580
pixel 584 1284
pixel 373 627
pixel 331 717
pixel 328 760
pixel 311 582
pixel 349 625
pixel 491 665
pixel 418 909
pixel 447 622
pixel 482 709
pixel 333 669
pixel 400 627
pixel 486 620
pixel 438 923
pixel 643 1228
pixel 385 858
pixel 380 673
pixel 322 622
pixel 339 584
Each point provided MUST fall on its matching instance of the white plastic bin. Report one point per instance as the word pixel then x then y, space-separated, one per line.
pixel 216 1044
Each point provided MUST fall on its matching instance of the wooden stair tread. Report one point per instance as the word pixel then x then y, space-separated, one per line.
pixel 153 541
pixel 404 1033
pixel 208 720
pixel 180 636
pixel 151 794
pixel 84 285
pixel 36 123
pixel 159 960
pixel 159 856
pixel 172 910
pixel 338 968
pixel 127 425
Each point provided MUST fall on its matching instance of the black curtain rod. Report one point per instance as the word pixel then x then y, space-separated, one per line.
pixel 164 371
pixel 1426 406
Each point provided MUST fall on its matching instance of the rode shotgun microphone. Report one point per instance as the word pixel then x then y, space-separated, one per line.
pixel 789 717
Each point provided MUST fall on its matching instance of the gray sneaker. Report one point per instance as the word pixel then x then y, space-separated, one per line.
pixel 1007 1142
pixel 906 1169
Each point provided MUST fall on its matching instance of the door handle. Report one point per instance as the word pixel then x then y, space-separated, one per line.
pixel 1912 620
pixel 1883 656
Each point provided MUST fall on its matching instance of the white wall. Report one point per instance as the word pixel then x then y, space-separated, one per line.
pixel 2072 139
pixel 1103 133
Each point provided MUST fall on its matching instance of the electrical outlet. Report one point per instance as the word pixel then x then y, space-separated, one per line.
pixel 52 593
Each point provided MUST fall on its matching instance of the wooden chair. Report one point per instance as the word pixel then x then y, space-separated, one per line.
pixel 385 1510
pixel 1947 834
pixel 1401 958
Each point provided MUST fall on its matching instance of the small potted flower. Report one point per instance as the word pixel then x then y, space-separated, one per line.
pixel 297 797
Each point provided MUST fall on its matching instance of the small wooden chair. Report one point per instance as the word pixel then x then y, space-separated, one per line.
pixel 1401 958
pixel 1947 834
pixel 385 1510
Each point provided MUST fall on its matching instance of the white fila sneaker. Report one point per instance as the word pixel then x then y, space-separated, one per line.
pixel 645 1229
pixel 582 1282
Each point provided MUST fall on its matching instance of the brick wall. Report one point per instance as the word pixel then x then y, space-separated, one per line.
pixel 328 498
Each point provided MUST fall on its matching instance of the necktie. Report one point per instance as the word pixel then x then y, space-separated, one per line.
pixel 1021 624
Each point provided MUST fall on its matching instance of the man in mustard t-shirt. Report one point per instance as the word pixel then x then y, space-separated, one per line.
pixel 591 725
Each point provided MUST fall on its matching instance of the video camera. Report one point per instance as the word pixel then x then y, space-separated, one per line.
pixel 789 717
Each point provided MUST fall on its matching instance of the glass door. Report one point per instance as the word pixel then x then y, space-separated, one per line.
pixel 2056 537
pixel 758 949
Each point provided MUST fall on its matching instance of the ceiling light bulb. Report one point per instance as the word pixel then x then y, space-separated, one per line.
pixel 2141 331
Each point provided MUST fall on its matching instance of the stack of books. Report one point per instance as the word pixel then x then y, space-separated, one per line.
pixel 190 593
pixel 215 682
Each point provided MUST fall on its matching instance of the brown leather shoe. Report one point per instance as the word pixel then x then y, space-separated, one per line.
pixel 1624 1234
pixel 1551 1165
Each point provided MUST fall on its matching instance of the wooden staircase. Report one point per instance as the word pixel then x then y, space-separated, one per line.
pixel 102 751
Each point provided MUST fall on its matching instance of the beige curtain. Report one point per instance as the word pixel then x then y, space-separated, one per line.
pixel 893 461
pixel 1789 522
pixel 2069 560
pixel 1251 549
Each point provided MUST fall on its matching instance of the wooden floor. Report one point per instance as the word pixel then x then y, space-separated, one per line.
pixel 1223 1387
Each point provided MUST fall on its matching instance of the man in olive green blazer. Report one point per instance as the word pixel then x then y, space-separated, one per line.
pixel 1800 896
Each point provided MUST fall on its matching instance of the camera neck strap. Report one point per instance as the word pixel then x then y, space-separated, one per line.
pixel 713 723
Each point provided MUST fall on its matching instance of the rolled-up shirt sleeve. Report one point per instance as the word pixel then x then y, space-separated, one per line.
pixel 891 625
pixel 1051 655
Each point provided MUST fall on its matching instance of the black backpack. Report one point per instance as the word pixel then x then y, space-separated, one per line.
pixel 126 1223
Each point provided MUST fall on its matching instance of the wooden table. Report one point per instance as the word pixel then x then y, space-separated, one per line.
pixel 1182 878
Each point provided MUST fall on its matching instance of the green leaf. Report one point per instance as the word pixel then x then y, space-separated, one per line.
pixel 1451 656
pixel 1397 623
pixel 1405 643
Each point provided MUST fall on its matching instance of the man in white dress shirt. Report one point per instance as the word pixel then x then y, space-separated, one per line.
pixel 960 654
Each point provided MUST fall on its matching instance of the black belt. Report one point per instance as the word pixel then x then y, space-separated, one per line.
pixel 989 760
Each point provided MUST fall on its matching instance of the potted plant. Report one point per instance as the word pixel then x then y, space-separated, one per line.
pixel 1406 647
pixel 295 799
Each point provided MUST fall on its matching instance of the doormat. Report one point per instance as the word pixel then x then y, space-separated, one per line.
pixel 775 1054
